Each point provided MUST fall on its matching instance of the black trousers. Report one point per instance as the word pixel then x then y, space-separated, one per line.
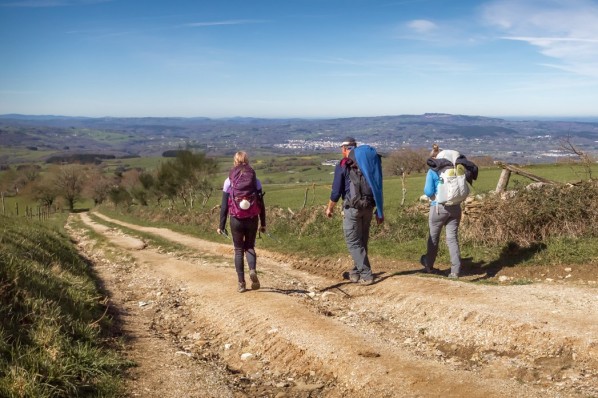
pixel 244 231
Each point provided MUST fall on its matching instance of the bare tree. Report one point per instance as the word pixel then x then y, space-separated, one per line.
pixel 584 158
pixel 45 191
pixel 69 181
pixel 404 162
pixel 28 173
pixel 99 186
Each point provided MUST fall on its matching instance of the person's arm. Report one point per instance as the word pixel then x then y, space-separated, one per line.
pixel 260 198
pixel 337 190
pixel 224 206
pixel 262 211
pixel 430 185
pixel 223 212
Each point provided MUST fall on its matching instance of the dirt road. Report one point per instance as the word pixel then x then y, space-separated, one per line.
pixel 305 334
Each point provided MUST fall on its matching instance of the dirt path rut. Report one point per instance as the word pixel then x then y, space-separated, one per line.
pixel 408 335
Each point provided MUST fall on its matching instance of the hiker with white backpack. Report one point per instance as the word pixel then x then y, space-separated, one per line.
pixel 447 186
pixel 242 199
pixel 358 181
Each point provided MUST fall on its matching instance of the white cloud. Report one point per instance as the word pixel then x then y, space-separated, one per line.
pixel 422 25
pixel 566 30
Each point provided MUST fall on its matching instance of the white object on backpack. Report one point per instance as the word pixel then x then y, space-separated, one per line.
pixel 244 204
pixel 452 184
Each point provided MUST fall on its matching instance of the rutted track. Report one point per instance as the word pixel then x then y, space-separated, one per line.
pixel 406 335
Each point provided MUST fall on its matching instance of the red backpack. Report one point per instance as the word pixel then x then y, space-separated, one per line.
pixel 243 199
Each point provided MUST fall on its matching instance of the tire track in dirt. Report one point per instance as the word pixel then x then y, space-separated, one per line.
pixel 405 336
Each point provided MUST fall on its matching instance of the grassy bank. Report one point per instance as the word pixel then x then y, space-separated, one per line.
pixel 54 337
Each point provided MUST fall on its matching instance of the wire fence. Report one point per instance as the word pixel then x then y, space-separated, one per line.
pixel 39 212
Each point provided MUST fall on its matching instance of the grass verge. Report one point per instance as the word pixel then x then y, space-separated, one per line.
pixel 55 340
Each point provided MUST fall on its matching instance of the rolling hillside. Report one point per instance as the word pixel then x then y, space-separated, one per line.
pixel 523 141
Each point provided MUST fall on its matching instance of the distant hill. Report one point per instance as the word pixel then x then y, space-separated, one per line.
pixel 505 139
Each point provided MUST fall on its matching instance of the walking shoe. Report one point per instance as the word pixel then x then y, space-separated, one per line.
pixel 255 282
pixel 241 288
pixel 353 277
pixel 428 270
pixel 366 282
pixel 453 276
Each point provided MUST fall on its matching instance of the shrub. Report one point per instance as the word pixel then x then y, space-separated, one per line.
pixel 537 214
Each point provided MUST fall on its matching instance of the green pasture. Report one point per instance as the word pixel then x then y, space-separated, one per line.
pixel 292 181
pixel 295 181
pixel 24 155
pixel 103 135
pixel 18 205
pixel 146 163
pixel 293 195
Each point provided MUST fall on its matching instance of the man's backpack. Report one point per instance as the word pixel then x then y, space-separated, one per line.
pixel 243 199
pixel 362 196
pixel 365 175
pixel 452 184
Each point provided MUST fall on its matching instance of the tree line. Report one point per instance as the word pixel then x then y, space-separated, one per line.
pixel 184 178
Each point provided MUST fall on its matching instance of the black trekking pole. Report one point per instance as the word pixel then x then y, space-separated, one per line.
pixel 225 233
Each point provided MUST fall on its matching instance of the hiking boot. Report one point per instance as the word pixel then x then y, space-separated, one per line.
pixel 255 282
pixel 366 282
pixel 427 270
pixel 453 276
pixel 241 288
pixel 353 277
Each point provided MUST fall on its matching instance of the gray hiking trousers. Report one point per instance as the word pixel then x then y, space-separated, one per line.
pixel 450 217
pixel 356 227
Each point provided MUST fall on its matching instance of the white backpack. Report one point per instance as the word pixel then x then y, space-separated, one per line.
pixel 452 185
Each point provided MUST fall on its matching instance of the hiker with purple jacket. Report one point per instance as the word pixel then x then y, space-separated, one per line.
pixel 242 199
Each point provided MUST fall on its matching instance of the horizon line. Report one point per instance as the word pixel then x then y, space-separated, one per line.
pixel 527 117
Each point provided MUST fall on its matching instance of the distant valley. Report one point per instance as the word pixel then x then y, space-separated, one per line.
pixel 518 141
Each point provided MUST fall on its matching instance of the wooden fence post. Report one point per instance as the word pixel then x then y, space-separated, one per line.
pixel 503 181
pixel 305 197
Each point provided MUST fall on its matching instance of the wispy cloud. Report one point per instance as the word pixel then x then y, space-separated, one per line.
pixel 422 26
pixel 566 30
pixel 442 33
pixel 218 23
pixel 51 3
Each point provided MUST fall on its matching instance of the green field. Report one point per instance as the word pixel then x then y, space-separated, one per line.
pixel 292 181
pixel 302 185
pixel 293 194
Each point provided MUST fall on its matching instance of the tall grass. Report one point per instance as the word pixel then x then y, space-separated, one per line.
pixel 54 339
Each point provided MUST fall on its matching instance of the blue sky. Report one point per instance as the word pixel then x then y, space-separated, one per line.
pixel 299 58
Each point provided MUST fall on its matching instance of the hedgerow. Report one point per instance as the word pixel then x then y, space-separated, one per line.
pixel 536 214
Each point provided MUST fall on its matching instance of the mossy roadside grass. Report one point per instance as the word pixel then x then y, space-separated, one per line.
pixel 55 339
